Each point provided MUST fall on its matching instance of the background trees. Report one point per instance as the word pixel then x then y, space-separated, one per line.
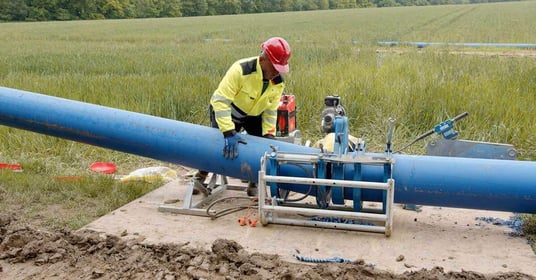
pixel 44 10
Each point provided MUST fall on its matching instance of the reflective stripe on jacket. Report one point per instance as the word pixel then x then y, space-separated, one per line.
pixel 242 86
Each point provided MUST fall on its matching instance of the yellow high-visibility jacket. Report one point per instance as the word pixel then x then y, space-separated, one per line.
pixel 242 87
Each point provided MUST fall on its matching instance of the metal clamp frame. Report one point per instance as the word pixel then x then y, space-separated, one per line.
pixel 210 191
pixel 273 210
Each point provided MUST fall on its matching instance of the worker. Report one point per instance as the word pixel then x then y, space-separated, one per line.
pixel 248 97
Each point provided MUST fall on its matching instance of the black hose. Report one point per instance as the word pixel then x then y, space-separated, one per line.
pixel 308 191
pixel 229 210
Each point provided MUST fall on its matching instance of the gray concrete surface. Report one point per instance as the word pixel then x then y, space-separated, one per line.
pixel 446 237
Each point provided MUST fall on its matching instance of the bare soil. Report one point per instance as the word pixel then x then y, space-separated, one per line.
pixel 32 253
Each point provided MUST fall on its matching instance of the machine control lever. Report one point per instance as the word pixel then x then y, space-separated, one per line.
pixel 444 128
pixel 390 135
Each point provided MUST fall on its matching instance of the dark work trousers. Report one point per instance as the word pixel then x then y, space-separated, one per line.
pixel 251 124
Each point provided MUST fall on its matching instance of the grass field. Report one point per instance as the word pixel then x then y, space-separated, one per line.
pixel 169 68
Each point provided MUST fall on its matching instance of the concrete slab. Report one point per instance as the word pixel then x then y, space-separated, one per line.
pixel 446 237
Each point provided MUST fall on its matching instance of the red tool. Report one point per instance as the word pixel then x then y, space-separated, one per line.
pixel 13 167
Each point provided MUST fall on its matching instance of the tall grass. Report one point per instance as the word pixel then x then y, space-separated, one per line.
pixel 170 67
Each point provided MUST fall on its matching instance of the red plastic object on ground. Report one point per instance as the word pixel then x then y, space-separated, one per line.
pixel 68 178
pixel 10 166
pixel 286 115
pixel 103 167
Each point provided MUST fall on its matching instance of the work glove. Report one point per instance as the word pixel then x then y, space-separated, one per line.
pixel 230 150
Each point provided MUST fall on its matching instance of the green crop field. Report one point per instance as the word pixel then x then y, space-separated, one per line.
pixel 170 67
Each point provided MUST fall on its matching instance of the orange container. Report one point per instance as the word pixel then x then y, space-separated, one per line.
pixel 286 115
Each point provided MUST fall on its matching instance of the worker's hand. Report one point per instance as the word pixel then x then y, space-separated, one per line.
pixel 230 150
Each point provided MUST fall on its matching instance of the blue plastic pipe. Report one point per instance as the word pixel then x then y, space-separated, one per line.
pixel 464 45
pixel 439 181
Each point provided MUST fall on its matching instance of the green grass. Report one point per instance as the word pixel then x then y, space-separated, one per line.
pixel 49 200
pixel 169 68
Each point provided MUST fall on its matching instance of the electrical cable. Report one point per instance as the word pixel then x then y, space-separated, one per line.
pixel 229 210
pixel 310 187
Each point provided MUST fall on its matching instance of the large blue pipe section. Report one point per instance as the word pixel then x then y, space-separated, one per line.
pixel 486 184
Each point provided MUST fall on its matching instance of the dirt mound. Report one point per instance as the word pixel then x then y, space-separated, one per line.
pixel 28 253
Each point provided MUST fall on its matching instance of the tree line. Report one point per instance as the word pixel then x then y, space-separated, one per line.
pixel 47 10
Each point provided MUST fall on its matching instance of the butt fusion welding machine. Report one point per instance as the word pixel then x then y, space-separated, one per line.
pixel 339 196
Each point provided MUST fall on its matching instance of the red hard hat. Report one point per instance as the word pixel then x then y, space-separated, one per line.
pixel 278 51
